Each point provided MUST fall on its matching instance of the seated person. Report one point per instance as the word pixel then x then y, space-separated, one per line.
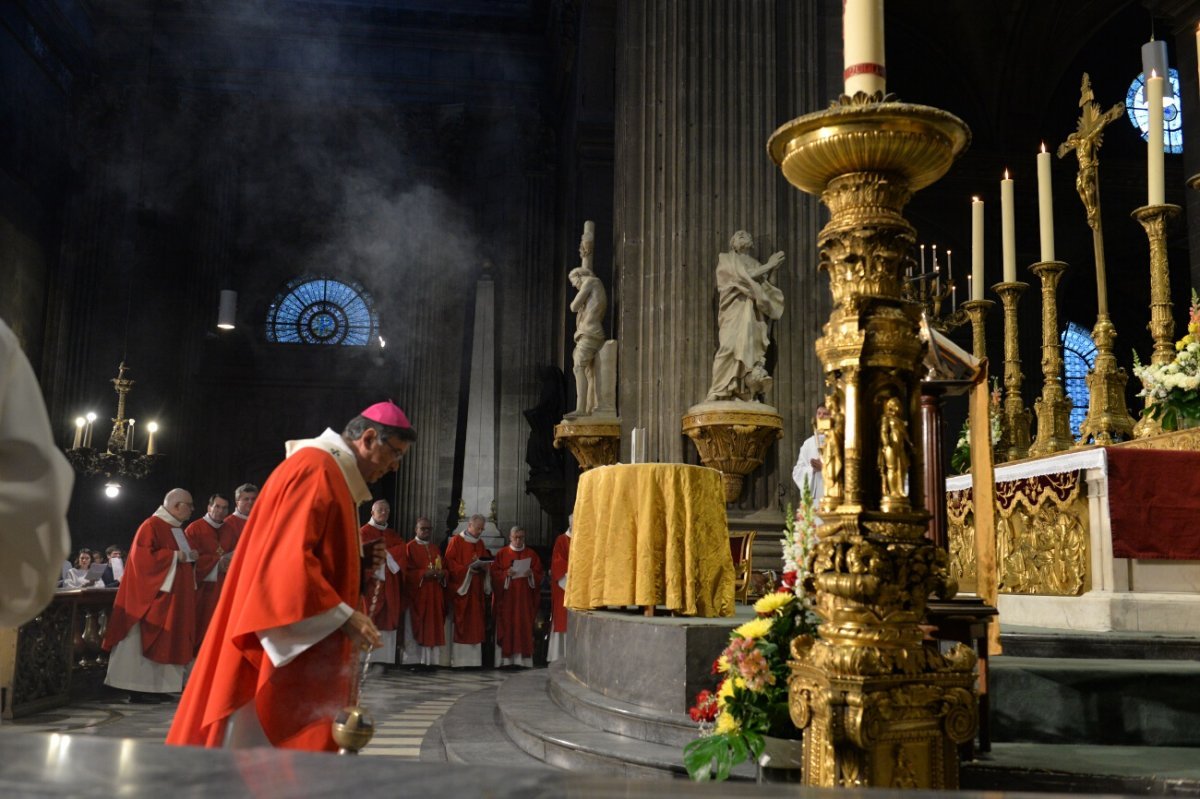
pixel 116 566
pixel 77 577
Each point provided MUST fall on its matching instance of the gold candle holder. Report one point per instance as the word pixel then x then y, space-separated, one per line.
pixel 1108 420
pixel 1053 408
pixel 1154 219
pixel 1016 419
pixel 977 311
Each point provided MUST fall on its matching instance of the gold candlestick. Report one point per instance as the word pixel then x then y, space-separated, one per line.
pixel 1108 420
pixel 977 310
pixel 1155 218
pixel 1016 420
pixel 1053 408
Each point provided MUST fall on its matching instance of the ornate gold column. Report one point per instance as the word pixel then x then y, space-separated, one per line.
pixel 977 310
pixel 878 707
pixel 1155 218
pixel 1016 419
pixel 1053 409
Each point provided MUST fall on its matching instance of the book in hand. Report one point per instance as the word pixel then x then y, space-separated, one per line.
pixel 479 564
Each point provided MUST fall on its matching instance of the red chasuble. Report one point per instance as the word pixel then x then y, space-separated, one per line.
pixel 517 605
pixel 168 619
pixel 209 542
pixel 231 530
pixel 389 609
pixel 559 559
pixel 427 600
pixel 470 623
pixel 299 558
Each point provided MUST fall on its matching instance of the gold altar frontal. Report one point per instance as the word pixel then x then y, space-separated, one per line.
pixel 651 534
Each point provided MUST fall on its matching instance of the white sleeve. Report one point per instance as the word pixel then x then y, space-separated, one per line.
pixel 803 471
pixel 284 644
pixel 392 565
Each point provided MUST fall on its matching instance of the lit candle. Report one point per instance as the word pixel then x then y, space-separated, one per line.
pixel 1198 48
pixel 862 47
pixel 949 266
pixel 971 286
pixel 953 296
pixel 1045 204
pixel 1008 231
pixel 87 433
pixel 976 249
pixel 129 436
pixel 151 429
pixel 1155 180
pixel 79 423
pixel 922 259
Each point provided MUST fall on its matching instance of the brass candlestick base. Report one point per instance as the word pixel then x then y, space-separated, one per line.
pixel 1155 218
pixel 878 707
pixel 1053 408
pixel 1108 420
pixel 593 443
pixel 732 439
pixel 1014 428
pixel 977 311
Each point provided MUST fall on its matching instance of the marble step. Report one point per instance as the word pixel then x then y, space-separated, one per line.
pixel 1095 701
pixel 616 716
pixel 1081 769
pixel 1044 643
pixel 470 733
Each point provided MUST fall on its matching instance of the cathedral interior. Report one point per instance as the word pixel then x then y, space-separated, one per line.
pixel 358 171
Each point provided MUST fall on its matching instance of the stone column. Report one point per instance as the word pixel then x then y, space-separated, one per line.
pixel 700 86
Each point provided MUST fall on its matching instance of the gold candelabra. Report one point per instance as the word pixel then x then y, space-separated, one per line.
pixel 977 311
pixel 1053 408
pixel 1014 427
pixel 1154 219
pixel 119 458
pixel 878 707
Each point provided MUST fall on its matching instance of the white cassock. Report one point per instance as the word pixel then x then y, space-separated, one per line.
pixel 35 488
pixel 803 473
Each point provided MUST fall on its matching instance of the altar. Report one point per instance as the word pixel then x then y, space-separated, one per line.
pixel 1097 539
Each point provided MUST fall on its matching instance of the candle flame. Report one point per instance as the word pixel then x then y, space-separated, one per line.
pixel 975 199
pixel 80 421
pixel 1153 73
pixel 1043 146
pixel 1006 177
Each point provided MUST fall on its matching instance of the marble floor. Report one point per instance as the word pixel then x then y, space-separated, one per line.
pixel 404 704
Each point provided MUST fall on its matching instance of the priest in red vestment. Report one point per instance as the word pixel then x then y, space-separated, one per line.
pixel 151 634
pixel 517 581
pixel 425 620
pixel 391 599
pixel 276 665
pixel 559 559
pixel 243 500
pixel 468 581
pixel 214 547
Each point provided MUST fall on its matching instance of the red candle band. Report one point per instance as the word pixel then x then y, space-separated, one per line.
pixel 865 68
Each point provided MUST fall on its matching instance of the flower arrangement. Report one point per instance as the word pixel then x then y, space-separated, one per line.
pixel 1171 389
pixel 960 458
pixel 751 696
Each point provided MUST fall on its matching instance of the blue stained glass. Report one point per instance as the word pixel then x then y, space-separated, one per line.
pixel 1139 116
pixel 1079 356
pixel 322 310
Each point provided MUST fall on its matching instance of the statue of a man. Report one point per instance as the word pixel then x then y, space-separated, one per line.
pixel 747 300
pixel 589 306
pixel 893 452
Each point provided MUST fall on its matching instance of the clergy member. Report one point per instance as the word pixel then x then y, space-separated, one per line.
pixel 467 561
pixel 277 663
pixel 243 500
pixel 559 559
pixel 424 621
pixel 152 632
pixel 517 580
pixel 808 465
pixel 214 547
pixel 389 602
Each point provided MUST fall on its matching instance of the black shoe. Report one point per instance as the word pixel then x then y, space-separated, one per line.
pixel 143 698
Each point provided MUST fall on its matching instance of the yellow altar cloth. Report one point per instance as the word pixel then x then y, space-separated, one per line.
pixel 651 534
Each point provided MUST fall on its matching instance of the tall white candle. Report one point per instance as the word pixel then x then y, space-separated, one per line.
pixel 862 47
pixel 949 266
pixel 151 429
pixel 1008 231
pixel 1045 204
pixel 1155 179
pixel 976 248
pixel 129 435
pixel 79 423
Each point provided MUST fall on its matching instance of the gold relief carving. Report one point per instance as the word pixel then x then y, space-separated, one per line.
pixel 833 430
pixel 1177 440
pixel 734 442
pixel 591 444
pixel 960 515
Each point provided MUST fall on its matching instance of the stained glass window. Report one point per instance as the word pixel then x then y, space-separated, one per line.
pixel 1139 116
pixel 1079 356
pixel 322 310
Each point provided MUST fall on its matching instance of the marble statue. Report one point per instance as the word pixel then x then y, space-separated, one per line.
pixel 588 306
pixel 893 452
pixel 747 302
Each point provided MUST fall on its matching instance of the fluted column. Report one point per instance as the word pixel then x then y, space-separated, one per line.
pixel 700 85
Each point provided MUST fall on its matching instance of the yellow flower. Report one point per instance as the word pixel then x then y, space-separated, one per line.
pixel 773 602
pixel 755 628
pixel 1179 345
pixel 723 664
pixel 1193 328
pixel 725 691
pixel 725 724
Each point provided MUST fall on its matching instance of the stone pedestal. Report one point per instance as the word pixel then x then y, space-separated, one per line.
pixel 592 440
pixel 733 437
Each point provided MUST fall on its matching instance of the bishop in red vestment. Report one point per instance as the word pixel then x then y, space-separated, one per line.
pixel 214 547
pixel 559 560
pixel 151 634
pixel 517 580
pixel 390 600
pixel 425 577
pixel 468 581
pixel 276 665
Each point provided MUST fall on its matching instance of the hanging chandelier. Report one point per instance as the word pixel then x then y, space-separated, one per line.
pixel 119 458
